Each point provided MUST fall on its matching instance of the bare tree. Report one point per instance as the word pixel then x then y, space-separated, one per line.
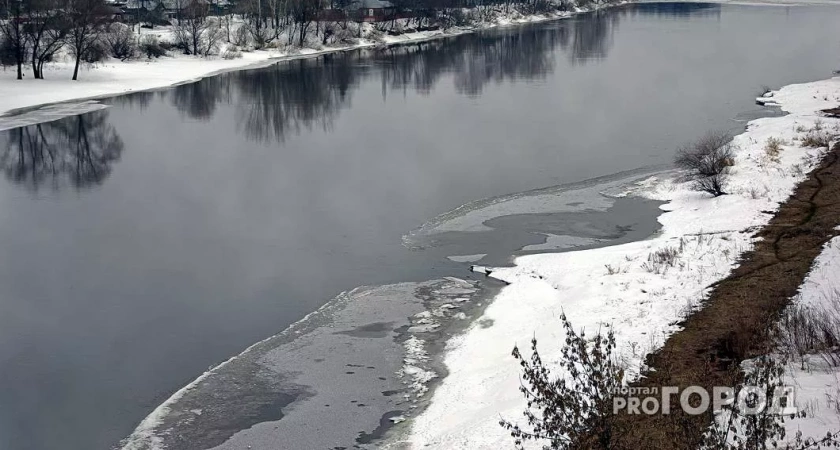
pixel 303 12
pixel 46 31
pixel 197 33
pixel 120 41
pixel 11 28
pixel 87 20
pixel 256 14
pixel 707 162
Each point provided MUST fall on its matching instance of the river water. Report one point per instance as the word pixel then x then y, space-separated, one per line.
pixel 147 241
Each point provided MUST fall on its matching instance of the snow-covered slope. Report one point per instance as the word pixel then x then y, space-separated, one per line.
pixel 640 289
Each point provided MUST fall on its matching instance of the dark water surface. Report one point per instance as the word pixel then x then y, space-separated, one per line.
pixel 147 241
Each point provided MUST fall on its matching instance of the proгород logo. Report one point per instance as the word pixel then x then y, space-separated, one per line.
pixel 694 400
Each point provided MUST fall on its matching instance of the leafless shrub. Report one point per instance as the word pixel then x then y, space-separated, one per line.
pixel 150 46
pixel 756 193
pixel 816 139
pixel 212 38
pixel 95 52
pixel 241 37
pixel 260 35
pixel 773 148
pixel 817 136
pixel 809 330
pixel 230 52
pixel 614 270
pixel 166 45
pixel 345 35
pixel 196 33
pixel 574 411
pixel 120 41
pixel 763 430
pixel 659 261
pixel 706 162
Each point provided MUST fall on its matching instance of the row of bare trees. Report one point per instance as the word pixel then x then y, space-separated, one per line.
pixel 34 31
pixel 266 20
pixel 331 20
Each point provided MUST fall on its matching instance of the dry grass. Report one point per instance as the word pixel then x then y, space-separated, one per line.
pixel 615 270
pixel 816 139
pixel 661 260
pixel 733 324
pixel 818 136
pixel 773 148
pixel 808 330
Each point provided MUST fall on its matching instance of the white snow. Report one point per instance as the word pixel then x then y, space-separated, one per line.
pixel 632 288
pixel 817 382
pixel 113 77
pixel 817 391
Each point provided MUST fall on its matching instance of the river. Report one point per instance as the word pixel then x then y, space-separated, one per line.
pixel 147 241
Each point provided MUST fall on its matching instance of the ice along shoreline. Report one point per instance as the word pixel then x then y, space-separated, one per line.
pixel 623 287
pixel 395 383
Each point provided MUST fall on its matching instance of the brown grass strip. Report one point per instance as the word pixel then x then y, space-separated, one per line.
pixel 733 323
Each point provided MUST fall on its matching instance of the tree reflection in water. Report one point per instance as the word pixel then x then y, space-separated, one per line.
pixel 199 100
pixel 297 95
pixel 273 102
pixel 77 151
pixel 300 95
pixel 288 98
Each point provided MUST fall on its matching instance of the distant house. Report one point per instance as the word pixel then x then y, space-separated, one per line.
pixel 167 10
pixel 333 15
pixel 152 11
pixel 372 10
pixel 116 11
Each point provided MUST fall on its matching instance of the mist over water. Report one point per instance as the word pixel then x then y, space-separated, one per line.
pixel 145 242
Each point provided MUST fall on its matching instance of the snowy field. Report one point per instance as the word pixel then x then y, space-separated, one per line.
pixel 628 288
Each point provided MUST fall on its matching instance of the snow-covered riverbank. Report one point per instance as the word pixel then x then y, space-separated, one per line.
pixel 113 77
pixel 641 289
